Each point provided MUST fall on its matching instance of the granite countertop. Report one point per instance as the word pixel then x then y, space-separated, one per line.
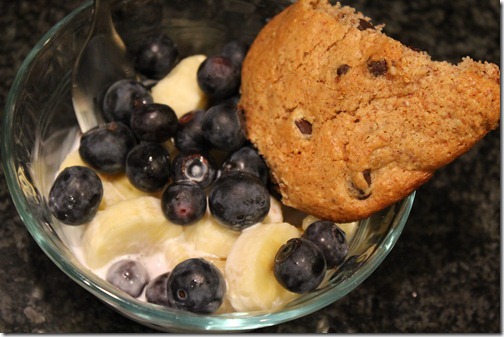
pixel 443 274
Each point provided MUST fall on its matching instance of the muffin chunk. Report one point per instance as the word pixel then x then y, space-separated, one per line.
pixel 350 120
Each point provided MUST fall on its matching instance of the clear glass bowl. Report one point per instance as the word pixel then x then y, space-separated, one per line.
pixel 39 127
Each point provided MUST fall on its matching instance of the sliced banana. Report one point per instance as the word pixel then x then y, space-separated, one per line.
pixel 249 268
pixel 72 159
pixel 125 189
pixel 179 89
pixel 209 236
pixel 178 249
pixel 349 228
pixel 275 212
pixel 308 221
pixel 134 226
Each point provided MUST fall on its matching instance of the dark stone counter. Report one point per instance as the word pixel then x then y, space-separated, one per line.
pixel 443 274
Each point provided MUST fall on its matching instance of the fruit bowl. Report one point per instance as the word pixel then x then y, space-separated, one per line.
pixel 39 127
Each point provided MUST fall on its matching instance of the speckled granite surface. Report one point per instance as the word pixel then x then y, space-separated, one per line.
pixel 442 276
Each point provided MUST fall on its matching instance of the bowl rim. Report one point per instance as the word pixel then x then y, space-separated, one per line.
pixel 144 312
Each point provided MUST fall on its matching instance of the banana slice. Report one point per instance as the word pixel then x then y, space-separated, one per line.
pixel 275 213
pixel 125 189
pixel 349 228
pixel 134 226
pixel 209 236
pixel 179 89
pixel 249 268
pixel 178 249
pixel 308 221
pixel 72 159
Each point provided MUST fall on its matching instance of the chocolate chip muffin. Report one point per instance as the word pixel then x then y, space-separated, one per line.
pixel 350 120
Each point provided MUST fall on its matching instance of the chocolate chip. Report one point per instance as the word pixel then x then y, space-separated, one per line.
pixel 359 186
pixel 364 24
pixel 358 193
pixel 367 176
pixel 378 68
pixel 304 126
pixel 342 69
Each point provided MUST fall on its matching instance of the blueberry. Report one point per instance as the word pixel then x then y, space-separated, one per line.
pixel 196 285
pixel 189 135
pixel 156 291
pixel 148 167
pixel 106 146
pixel 248 160
pixel 156 56
pixel 122 98
pixel 184 202
pixel 234 100
pixel 330 239
pixel 154 123
pixel 129 276
pixel 218 77
pixel 75 195
pixel 223 127
pixel 238 200
pixel 299 266
pixel 235 51
pixel 194 166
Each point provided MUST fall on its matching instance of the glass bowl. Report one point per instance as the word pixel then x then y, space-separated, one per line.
pixel 39 127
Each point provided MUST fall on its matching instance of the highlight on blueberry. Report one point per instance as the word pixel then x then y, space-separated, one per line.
pixel 75 195
pixel 156 291
pixel 122 98
pixel 247 159
pixel 189 135
pixel 223 127
pixel 299 266
pixel 218 77
pixel 105 147
pixel 148 167
pixel 235 51
pixel 194 166
pixel 196 285
pixel 156 56
pixel 129 276
pixel 330 239
pixel 154 122
pixel 184 202
pixel 239 200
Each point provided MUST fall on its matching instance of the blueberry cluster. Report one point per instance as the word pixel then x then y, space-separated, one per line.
pixel 133 141
pixel 301 263
pixel 194 285
pixel 213 165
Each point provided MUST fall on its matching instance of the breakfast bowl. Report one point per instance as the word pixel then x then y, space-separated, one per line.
pixel 40 129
